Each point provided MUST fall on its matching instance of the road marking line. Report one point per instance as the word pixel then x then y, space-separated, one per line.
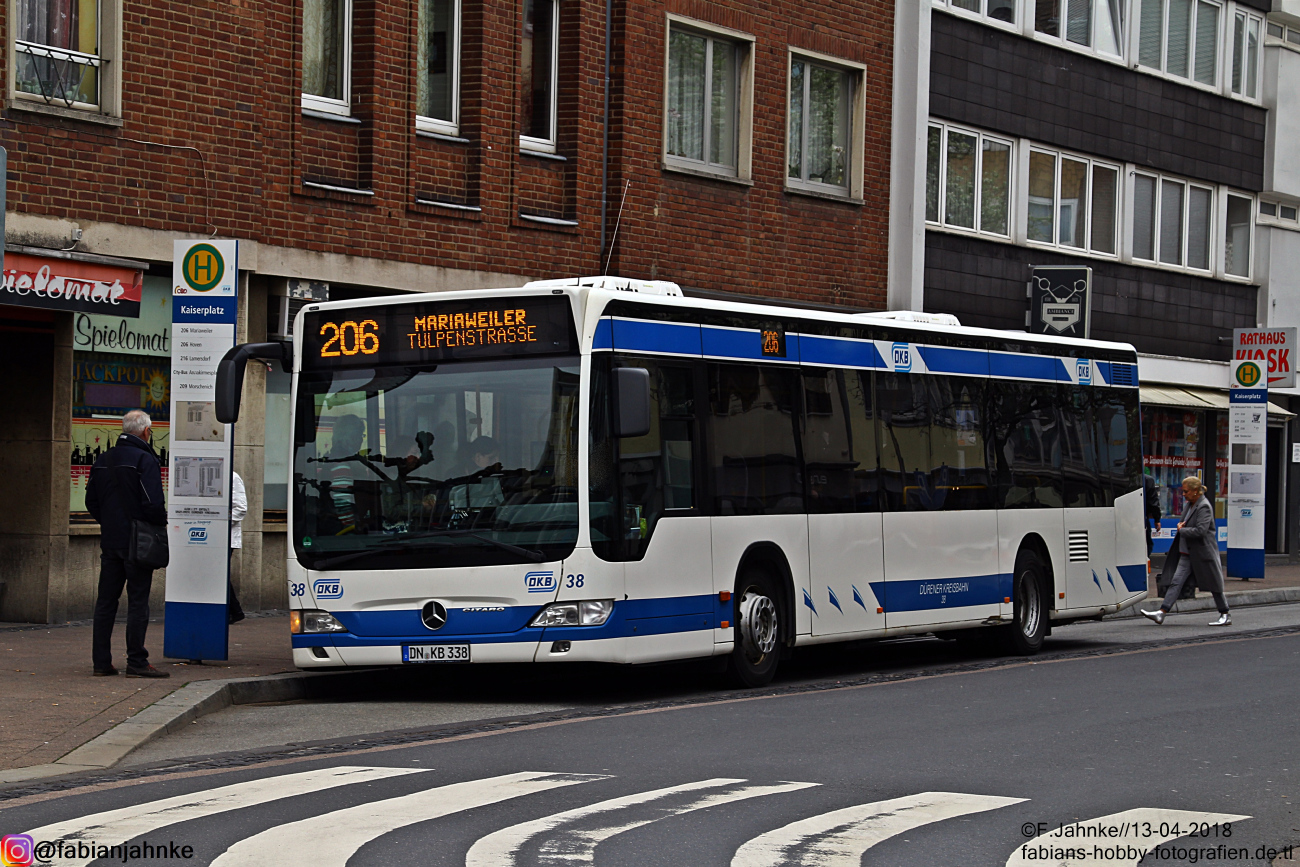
pixel 119 826
pixel 1129 836
pixel 578 845
pixel 330 839
pixel 841 837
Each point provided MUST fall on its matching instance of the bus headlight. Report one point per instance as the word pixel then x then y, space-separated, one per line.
pixel 593 613
pixel 311 620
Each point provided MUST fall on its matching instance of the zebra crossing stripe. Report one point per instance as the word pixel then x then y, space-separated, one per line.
pixel 330 839
pixel 841 837
pixel 577 845
pixel 118 826
pixel 1119 839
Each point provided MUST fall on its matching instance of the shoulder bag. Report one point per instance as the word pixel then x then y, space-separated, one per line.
pixel 148 545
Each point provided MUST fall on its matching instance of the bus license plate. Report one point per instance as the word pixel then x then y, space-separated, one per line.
pixel 435 653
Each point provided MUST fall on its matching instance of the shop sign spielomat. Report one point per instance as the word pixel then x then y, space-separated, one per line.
pixel 63 284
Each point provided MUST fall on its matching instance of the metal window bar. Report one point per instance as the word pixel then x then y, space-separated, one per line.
pixel 62 74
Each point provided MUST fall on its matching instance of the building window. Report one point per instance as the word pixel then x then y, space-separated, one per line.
pixel 1181 38
pixel 437 61
pixel 1171 222
pixel 1236 236
pixel 704 120
pixel 57 55
pixel 1245 54
pixel 327 55
pixel 1276 213
pixel 1096 24
pixel 538 69
pixel 1073 202
pixel 825 118
pixel 968 180
pixel 998 10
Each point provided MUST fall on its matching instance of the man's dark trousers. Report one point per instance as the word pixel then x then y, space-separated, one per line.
pixel 114 574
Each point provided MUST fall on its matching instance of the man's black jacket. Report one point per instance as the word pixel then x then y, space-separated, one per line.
pixel 125 483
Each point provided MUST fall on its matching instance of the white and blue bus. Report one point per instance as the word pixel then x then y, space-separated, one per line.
pixel 604 470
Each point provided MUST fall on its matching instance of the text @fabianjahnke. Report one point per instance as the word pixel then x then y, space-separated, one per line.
pixel 486 327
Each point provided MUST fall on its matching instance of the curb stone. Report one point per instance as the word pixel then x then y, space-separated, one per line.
pixel 1236 599
pixel 177 710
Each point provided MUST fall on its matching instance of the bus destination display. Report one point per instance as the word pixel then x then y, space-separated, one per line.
pixel 413 333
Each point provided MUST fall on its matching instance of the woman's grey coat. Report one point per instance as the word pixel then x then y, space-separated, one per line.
pixel 1202 537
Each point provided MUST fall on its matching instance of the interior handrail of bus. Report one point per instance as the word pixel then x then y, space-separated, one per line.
pixel 230 373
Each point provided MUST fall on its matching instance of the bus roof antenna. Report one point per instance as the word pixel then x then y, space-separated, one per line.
pixel 604 272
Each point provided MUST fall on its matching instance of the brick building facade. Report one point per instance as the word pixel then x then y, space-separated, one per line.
pixel 747 148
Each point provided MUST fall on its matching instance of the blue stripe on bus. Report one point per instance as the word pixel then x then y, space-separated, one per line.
pixel 941 359
pixel 1134 578
pixel 604 336
pixel 933 593
pixel 839 352
pixel 670 337
pixel 1040 367
pixel 743 343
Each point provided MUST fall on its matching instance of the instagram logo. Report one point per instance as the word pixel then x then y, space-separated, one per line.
pixel 16 850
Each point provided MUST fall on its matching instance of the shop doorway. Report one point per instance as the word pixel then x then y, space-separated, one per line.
pixel 1274 489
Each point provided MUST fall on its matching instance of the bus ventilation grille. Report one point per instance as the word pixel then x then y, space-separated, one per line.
pixel 1078 546
pixel 1123 374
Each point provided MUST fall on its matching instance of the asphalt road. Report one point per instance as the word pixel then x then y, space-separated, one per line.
pixel 916 753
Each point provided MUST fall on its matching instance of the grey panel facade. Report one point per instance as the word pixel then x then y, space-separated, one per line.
pixel 1160 312
pixel 1003 82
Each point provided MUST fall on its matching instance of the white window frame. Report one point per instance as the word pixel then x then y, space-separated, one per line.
pixel 857 75
pixel 1012 173
pixel 435 125
pixel 982 16
pixel 107 61
pixel 1215 258
pixel 1029 15
pixel 1056 243
pixel 1220 258
pixel 1284 37
pixel 341 107
pixel 744 43
pixel 1276 218
pixel 1222 41
pixel 1232 47
pixel 532 143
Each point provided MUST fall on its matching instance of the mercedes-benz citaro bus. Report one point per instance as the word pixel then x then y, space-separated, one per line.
pixel 605 470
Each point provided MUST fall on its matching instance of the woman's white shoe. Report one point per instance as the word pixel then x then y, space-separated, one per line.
pixel 1225 619
pixel 1157 616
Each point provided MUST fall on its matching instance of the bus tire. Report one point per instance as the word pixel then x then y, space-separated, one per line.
pixel 753 661
pixel 1024 637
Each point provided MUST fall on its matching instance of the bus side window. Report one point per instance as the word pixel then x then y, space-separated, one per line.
pixel 1081 459
pixel 839 446
pixel 1027 445
pixel 752 447
pixel 904 425
pixel 959 475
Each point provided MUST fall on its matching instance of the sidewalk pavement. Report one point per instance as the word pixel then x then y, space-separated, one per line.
pixel 1280 584
pixel 53 704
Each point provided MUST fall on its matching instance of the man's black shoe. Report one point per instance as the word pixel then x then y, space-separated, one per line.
pixel 105 672
pixel 235 618
pixel 147 671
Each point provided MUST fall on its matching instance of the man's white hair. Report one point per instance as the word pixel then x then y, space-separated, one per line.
pixel 136 422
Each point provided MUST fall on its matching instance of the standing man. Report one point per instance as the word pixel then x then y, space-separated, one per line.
pixel 1195 552
pixel 1151 500
pixel 125 484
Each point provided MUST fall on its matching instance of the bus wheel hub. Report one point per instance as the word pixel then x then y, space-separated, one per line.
pixel 757 625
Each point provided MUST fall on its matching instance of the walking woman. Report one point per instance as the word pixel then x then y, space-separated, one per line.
pixel 1195 553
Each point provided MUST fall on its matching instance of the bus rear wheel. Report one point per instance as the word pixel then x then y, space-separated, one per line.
pixel 754 659
pixel 1024 637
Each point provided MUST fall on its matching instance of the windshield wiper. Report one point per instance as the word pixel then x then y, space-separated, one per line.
pixel 527 554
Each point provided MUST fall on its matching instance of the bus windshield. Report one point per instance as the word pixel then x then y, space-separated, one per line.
pixel 455 464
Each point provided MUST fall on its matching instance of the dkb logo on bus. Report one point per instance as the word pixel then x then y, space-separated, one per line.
pixel 434 615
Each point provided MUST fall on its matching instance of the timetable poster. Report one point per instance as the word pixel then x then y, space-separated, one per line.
pixel 205 300
pixel 1247 437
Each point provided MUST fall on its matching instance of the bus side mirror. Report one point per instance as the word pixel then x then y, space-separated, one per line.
pixel 230 374
pixel 633 416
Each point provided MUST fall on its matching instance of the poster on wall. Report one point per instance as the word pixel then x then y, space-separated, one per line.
pixel 203 310
pixel 1247 437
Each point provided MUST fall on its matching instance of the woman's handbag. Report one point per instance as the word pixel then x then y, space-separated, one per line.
pixel 148 547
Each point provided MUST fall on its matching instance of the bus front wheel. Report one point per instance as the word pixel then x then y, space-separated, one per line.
pixel 1024 636
pixel 758 631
